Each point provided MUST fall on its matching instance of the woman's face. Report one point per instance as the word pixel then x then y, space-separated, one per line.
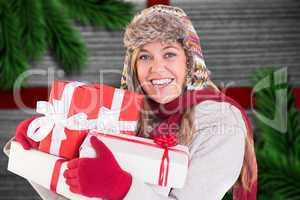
pixel 161 70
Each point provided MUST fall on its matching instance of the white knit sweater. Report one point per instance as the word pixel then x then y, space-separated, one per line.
pixel 217 153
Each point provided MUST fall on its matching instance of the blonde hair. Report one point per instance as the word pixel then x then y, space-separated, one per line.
pixel 187 130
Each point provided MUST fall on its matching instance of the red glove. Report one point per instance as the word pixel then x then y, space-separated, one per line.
pixel 98 177
pixel 21 134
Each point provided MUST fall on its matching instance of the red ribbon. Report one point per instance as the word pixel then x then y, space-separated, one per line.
pixel 165 141
pixel 55 174
pixel 114 136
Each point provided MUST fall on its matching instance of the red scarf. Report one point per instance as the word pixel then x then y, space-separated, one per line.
pixel 172 113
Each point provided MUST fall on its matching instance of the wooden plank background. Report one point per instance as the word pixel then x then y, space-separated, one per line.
pixel 237 37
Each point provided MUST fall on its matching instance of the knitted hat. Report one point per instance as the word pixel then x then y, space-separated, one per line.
pixel 167 24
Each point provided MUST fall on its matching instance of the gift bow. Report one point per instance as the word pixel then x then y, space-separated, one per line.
pixel 56 119
pixel 165 141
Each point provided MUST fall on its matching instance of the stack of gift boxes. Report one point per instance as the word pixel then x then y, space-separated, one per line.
pixel 76 111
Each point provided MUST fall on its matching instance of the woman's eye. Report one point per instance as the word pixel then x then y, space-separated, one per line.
pixel 170 55
pixel 144 57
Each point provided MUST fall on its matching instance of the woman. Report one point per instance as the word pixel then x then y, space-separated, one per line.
pixel 164 61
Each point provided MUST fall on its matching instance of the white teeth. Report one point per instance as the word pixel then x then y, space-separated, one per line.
pixel 161 81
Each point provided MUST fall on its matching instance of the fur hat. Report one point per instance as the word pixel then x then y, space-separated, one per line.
pixel 166 24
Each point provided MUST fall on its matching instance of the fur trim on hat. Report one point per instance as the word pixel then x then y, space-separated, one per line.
pixel 153 26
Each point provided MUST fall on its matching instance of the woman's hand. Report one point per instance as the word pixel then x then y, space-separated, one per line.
pixel 21 134
pixel 98 177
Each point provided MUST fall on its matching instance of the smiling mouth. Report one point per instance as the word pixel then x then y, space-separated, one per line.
pixel 162 82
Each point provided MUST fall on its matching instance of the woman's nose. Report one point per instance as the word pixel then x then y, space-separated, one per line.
pixel 158 65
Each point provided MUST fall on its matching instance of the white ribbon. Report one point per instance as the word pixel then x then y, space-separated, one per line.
pixel 108 119
pixel 56 119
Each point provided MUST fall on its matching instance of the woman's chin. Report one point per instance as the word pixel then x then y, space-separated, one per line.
pixel 163 99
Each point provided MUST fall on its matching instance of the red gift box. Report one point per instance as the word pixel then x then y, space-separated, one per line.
pixel 74 108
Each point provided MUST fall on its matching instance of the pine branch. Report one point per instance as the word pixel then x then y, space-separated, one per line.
pixel 269 197
pixel 12 62
pixel 266 105
pixel 278 156
pixel 28 26
pixel 112 14
pixel 31 27
pixel 65 40
pixel 278 175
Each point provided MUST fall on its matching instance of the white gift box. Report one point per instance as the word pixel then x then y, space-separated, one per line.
pixel 41 168
pixel 143 158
